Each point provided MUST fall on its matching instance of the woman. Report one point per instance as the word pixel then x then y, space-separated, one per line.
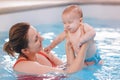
pixel 27 42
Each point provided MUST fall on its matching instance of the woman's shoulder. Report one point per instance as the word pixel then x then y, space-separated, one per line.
pixel 22 62
pixel 18 61
pixel 23 65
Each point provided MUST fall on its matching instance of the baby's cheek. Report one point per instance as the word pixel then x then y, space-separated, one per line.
pixel 74 25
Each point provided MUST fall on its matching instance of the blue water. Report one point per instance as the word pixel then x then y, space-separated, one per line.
pixel 107 40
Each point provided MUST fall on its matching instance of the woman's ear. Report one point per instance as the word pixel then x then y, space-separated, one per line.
pixel 25 51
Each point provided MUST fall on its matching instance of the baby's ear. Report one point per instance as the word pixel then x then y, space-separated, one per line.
pixel 81 19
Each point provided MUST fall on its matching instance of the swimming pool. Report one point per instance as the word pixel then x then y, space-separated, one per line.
pixel 107 40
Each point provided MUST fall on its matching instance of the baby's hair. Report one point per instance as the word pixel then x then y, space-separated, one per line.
pixel 74 8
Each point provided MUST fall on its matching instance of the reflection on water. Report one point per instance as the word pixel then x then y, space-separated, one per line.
pixel 48 76
pixel 109 43
pixel 107 40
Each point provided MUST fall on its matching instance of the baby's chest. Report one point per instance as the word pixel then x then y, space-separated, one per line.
pixel 74 39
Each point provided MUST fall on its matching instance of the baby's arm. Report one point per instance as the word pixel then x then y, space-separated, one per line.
pixel 88 35
pixel 56 41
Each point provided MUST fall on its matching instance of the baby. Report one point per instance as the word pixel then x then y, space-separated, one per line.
pixel 77 33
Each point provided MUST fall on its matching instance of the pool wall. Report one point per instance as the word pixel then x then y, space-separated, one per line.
pixel 34 17
pixel 48 14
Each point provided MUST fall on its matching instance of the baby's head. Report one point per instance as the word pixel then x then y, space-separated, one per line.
pixel 72 18
pixel 73 11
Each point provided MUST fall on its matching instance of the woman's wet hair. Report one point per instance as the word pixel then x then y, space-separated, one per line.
pixel 18 39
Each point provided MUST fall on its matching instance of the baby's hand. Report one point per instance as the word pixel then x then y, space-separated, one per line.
pixel 47 49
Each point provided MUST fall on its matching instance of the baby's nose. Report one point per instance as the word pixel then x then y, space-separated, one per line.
pixel 67 26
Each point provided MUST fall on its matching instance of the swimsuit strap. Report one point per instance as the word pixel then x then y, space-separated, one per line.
pixel 53 64
pixel 19 61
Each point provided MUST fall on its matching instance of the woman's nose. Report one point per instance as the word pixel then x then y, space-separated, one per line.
pixel 41 38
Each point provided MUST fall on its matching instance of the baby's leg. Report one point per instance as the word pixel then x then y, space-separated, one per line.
pixel 101 62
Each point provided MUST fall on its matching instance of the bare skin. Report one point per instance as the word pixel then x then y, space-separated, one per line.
pixel 38 64
pixel 77 33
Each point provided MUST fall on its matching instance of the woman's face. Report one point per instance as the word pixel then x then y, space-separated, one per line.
pixel 34 40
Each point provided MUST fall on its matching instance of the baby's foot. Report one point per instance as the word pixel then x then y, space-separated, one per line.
pixel 100 62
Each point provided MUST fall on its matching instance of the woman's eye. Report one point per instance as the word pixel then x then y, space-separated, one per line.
pixel 36 39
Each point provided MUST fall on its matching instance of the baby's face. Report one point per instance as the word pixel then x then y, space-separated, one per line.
pixel 71 22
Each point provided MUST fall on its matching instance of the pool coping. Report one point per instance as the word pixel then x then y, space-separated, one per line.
pixel 17 6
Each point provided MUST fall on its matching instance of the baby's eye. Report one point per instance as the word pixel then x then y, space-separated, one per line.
pixel 64 22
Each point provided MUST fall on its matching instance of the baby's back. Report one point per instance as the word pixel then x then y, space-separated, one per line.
pixel 91 49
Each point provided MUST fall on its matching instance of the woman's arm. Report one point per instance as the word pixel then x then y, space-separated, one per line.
pixel 78 62
pixel 32 67
pixel 69 53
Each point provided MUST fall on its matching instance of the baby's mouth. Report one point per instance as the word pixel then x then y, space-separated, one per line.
pixel 69 29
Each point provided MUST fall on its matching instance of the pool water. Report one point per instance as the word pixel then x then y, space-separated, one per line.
pixel 107 40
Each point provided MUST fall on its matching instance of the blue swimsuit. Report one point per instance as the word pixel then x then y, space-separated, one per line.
pixel 95 58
